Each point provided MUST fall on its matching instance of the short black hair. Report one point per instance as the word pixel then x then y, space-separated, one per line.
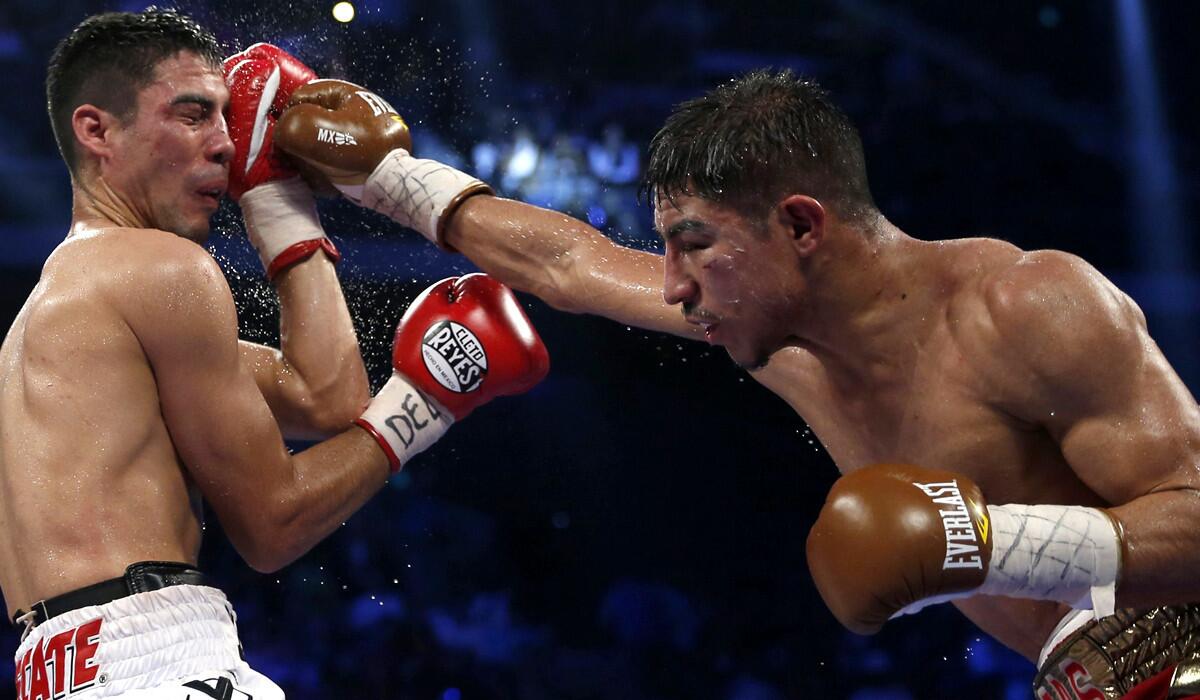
pixel 752 141
pixel 108 58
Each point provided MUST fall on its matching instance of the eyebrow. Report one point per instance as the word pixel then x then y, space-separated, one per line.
pixel 682 226
pixel 205 103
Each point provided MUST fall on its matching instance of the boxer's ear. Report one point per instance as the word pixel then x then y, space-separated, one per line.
pixel 93 129
pixel 804 219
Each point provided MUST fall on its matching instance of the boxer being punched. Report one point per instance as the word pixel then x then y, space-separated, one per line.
pixel 1022 377
pixel 125 395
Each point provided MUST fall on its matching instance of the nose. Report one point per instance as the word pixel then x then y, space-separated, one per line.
pixel 678 285
pixel 221 146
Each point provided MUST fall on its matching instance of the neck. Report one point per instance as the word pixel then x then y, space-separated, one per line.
pixel 871 303
pixel 94 204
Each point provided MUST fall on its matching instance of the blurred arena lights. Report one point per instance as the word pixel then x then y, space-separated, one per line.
pixel 343 12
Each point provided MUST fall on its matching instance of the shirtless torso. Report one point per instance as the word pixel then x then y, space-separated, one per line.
pixel 1026 371
pixel 114 422
pixel 943 406
pixel 89 479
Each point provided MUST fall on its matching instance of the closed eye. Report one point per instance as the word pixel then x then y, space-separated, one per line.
pixel 193 109
pixel 688 246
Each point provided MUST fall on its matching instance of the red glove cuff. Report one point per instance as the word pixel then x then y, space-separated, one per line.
pixel 393 461
pixel 299 252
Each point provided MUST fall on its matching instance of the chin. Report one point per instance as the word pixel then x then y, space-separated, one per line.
pixel 749 361
pixel 196 232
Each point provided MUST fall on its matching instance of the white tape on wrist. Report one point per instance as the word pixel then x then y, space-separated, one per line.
pixel 1071 554
pixel 415 192
pixel 404 420
pixel 279 214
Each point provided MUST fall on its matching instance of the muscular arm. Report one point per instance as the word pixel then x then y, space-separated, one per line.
pixel 316 385
pixel 573 267
pixel 566 263
pixel 1082 365
pixel 273 505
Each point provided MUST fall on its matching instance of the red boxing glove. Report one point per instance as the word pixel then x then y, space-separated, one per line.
pixel 463 342
pixel 281 216
pixel 261 80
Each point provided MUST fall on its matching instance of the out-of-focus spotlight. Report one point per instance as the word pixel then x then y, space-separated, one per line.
pixel 343 12
pixel 1049 16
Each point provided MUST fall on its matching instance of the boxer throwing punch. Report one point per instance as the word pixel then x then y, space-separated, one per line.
pixel 937 374
pixel 126 396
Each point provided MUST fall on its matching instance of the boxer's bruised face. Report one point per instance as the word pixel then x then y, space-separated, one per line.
pixel 170 160
pixel 729 274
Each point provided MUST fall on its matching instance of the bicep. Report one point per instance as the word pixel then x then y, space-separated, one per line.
pixel 566 263
pixel 279 387
pixel 1130 435
pixel 1084 367
pixel 625 285
pixel 219 423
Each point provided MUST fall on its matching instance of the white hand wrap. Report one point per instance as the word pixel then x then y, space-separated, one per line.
pixel 1071 554
pixel 415 192
pixel 282 223
pixel 404 421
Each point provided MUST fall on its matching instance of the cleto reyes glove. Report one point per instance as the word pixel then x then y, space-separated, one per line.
pixel 462 342
pixel 355 139
pixel 280 213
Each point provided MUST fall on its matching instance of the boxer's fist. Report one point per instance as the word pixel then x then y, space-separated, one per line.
pixel 462 342
pixel 341 130
pixel 261 80
pixel 341 133
pixel 891 536
pixel 465 341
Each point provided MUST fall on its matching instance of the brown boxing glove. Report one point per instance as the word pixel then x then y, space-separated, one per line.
pixel 340 131
pixel 890 536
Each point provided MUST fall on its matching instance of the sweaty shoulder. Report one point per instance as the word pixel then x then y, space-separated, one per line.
pixel 1045 316
pixel 147 275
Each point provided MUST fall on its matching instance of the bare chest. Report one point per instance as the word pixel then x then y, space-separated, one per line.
pixel 941 416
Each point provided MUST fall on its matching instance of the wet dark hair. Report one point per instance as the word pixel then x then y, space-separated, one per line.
pixel 109 58
pixel 754 140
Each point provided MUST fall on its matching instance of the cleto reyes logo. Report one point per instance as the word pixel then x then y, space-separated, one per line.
pixel 454 356
pixel 60 664
pixel 962 545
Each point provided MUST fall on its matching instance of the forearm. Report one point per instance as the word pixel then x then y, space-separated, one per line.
pixel 324 381
pixel 327 484
pixel 1160 557
pixel 563 261
pixel 316 385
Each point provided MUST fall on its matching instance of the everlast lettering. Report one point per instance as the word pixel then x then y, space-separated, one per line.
pixel 62 663
pixel 962 544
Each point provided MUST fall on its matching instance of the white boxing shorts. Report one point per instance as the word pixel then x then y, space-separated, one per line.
pixel 178 643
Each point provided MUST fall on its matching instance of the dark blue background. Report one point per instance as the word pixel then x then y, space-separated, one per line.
pixel 634 527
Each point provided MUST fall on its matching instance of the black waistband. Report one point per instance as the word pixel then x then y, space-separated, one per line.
pixel 139 578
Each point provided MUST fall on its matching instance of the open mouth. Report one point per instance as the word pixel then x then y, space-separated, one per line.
pixel 709 326
pixel 211 195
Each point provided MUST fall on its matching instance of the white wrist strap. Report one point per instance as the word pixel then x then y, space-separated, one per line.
pixel 1071 554
pixel 415 192
pixel 404 420
pixel 279 214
